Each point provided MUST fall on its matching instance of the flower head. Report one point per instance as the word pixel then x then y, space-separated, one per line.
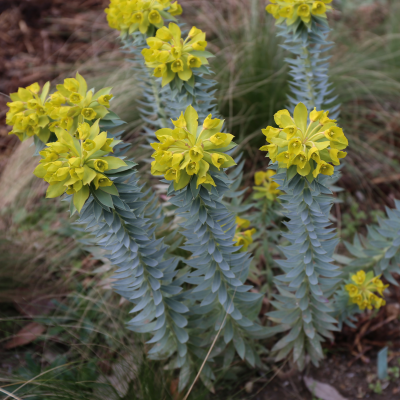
pixel 362 290
pixel 72 165
pixel 310 143
pixel 37 114
pixel 186 152
pixel 291 10
pixel 143 15
pixel 265 187
pixel 243 238
pixel 172 57
pixel 27 114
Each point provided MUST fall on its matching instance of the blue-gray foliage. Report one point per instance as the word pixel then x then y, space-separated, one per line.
pixel 309 69
pixel 303 305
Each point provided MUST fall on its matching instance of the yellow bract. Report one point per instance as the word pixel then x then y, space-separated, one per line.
pixel 190 150
pixel 74 162
pixel 243 238
pixel 170 55
pixel 308 142
pixel 291 10
pixel 33 114
pixel 133 15
pixel 362 290
pixel 266 187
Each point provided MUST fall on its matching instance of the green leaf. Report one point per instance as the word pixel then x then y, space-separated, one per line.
pixel 101 92
pixel 110 189
pixel 39 171
pixel 199 53
pixel 103 197
pixel 56 190
pixel 94 130
pixel 183 181
pixel 44 135
pixel 101 111
pixel 88 175
pixel 114 162
pixel 45 91
pixel 82 84
pixel 300 116
pixel 191 118
pixel 81 197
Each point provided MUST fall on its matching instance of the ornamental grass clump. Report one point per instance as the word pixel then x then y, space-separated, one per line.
pixel 172 57
pixel 191 151
pixel 145 16
pixel 310 143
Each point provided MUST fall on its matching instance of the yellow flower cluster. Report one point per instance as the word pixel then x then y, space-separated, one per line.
pixel 291 10
pixel 33 114
pixel 243 238
pixel 190 150
pixel 265 185
pixel 362 291
pixel 133 15
pixel 27 114
pixel 72 163
pixel 169 54
pixel 309 143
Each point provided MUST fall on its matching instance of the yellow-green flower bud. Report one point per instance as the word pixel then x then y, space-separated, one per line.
pixel 303 10
pixel 160 70
pixel 89 145
pixel 74 162
pixel 173 174
pixel 155 17
pixel 318 8
pixel 71 84
pixel 100 165
pixel 105 100
pixel 164 34
pixel 200 45
pixel 32 104
pixel 101 181
pixel 196 153
pixel 75 98
pixel 192 168
pixel 194 31
pixel 89 113
pixel 175 9
pixel 218 160
pixel 137 18
pixel 83 131
pixel 106 146
pixel 177 65
pixel 180 122
pixel 210 123
pixel 218 138
pixel 316 115
pixel 194 62
pixel 34 88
